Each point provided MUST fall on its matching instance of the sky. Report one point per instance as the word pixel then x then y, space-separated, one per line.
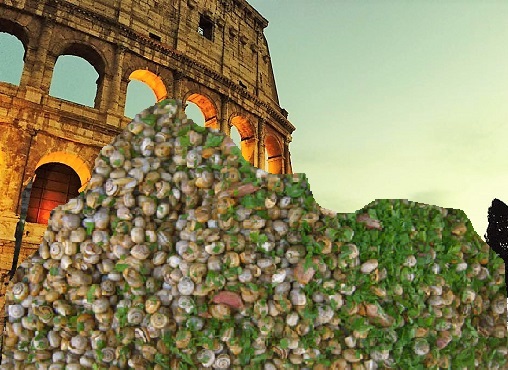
pixel 395 99
pixel 390 99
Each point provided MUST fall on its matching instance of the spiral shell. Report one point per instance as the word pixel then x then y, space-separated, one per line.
pixel 186 286
pixel 152 304
pixel 140 251
pixel 44 312
pixel 135 316
pixel 78 344
pixel 108 355
pixel 16 311
pixel 206 357
pixel 159 320
pixel 20 291
pixel 133 277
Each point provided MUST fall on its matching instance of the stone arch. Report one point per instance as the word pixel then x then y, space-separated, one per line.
pixel 139 81
pixel 72 160
pixel 247 136
pixel 90 54
pixel 274 154
pixel 152 80
pixel 207 107
pixel 9 29
pixel 54 184
pixel 15 29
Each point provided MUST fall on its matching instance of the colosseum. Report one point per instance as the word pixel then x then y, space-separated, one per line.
pixel 210 53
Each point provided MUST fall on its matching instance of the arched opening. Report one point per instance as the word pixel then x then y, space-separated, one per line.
pixel 194 113
pixel 81 88
pixel 207 109
pixel 11 58
pixel 145 89
pixel 235 136
pixel 54 184
pixel 86 67
pixel 14 43
pixel 71 160
pixel 273 154
pixel 247 137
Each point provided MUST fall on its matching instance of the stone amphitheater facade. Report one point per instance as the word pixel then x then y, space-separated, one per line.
pixel 211 53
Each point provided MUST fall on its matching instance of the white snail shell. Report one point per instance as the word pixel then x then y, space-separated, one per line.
pixel 78 344
pixel 16 311
pixel 140 251
pixel 71 221
pixel 186 286
pixel 20 291
pixel 206 357
pixel 56 250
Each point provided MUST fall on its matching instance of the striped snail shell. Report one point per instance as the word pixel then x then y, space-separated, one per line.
pixel 20 291
pixel 135 316
pixel 159 320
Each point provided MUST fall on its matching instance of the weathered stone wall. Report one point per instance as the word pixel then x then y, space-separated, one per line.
pixel 229 77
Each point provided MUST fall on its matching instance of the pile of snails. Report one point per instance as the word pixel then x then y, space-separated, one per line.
pixel 181 255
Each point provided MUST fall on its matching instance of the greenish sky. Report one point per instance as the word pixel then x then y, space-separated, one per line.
pixel 395 99
pixel 391 99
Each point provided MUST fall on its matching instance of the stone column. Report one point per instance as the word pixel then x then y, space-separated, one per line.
pixel 177 77
pixel 287 157
pixel 35 66
pixel 225 127
pixel 261 144
pixel 286 166
pixel 115 103
pixel 256 146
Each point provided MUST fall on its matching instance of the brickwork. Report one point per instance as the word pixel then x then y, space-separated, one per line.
pixel 228 75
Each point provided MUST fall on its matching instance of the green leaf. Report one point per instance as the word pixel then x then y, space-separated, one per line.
pixel 284 343
pixel 213 140
pixel 149 119
pixel 198 128
pixel 90 293
pixel 120 267
pixel 294 191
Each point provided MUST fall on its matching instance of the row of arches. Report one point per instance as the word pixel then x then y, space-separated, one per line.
pixel 78 76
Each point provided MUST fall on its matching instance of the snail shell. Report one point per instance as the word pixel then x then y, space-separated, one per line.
pixel 206 357
pixel 100 305
pixel 54 339
pixel 56 250
pixel 108 355
pixel 159 320
pixel 135 316
pixel 78 344
pixel 152 304
pixel 16 311
pixel 132 277
pixel 20 291
pixel 140 251
pixel 186 286
pixel 44 312
pixel 220 311
pixel 421 347
pixel 159 258
pixel 71 221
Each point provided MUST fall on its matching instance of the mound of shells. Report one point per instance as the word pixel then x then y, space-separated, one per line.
pixel 181 255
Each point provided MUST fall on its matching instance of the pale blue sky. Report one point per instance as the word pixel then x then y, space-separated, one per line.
pixel 395 99
pixel 391 99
